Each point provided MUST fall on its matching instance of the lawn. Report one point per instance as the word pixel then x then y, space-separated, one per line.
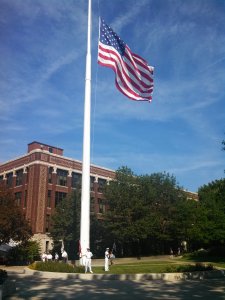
pixel 135 267
pixel 138 268
pixel 142 267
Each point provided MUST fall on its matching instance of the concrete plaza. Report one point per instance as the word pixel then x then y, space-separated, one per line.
pixel 34 287
pixel 88 286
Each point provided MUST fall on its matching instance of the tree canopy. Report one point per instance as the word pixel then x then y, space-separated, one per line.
pixel 145 210
pixel 212 200
pixel 65 223
pixel 13 224
pixel 148 214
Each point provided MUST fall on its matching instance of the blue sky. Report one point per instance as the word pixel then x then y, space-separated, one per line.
pixel 42 71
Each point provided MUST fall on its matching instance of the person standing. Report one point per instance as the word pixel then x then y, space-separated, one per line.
pixel 64 256
pixel 111 257
pixel 88 256
pixel 49 257
pixel 56 256
pixel 107 259
pixel 44 257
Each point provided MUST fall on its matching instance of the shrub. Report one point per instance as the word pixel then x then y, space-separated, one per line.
pixel 25 253
pixel 52 266
pixel 3 276
pixel 200 254
pixel 189 268
pixel 217 251
pixel 212 254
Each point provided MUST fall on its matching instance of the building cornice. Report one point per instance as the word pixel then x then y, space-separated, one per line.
pixel 7 168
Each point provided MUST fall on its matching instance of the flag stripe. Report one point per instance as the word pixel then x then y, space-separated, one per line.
pixel 133 75
pixel 122 88
pixel 127 66
pixel 112 57
pixel 140 66
pixel 123 83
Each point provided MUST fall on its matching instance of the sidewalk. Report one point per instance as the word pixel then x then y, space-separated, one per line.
pixel 105 276
pixel 36 287
pixel 31 284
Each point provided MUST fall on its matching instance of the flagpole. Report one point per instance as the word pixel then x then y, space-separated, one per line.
pixel 85 191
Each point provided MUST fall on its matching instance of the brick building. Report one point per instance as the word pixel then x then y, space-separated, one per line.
pixel 43 177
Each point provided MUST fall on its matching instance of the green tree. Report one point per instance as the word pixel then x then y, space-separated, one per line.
pixel 163 198
pixel 223 147
pixel 26 252
pixel 189 223
pixel 212 199
pixel 124 218
pixel 100 238
pixel 65 224
pixel 143 209
pixel 13 224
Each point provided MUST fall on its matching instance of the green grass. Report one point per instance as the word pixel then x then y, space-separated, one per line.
pixel 204 257
pixel 128 268
pixel 56 267
pixel 154 267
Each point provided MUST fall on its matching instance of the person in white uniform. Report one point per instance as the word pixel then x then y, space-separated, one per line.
pixel 107 259
pixel 88 256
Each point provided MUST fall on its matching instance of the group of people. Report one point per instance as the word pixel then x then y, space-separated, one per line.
pixel 48 256
pixel 109 257
pixel 86 260
pixel 172 253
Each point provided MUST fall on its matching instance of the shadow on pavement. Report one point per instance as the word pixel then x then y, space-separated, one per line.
pixel 35 287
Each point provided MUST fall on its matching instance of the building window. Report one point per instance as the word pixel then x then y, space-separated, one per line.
pixel 101 185
pixel 49 198
pixel 27 177
pixel 59 196
pixel 76 180
pixel 92 183
pixel 47 223
pixel 19 177
pixel 18 197
pixel 1 178
pixel 9 179
pixel 50 149
pixel 50 171
pixel 62 177
pixel 101 205
pixel 92 206
pixel 25 200
pixel 46 246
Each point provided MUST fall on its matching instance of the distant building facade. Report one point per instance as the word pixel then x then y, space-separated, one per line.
pixel 41 178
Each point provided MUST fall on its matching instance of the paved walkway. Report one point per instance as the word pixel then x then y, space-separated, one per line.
pixel 34 287
pixel 86 286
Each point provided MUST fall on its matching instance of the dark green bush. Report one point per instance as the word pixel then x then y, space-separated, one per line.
pixel 189 268
pixel 200 254
pixel 212 254
pixel 3 276
pixel 217 251
pixel 24 253
pixel 56 267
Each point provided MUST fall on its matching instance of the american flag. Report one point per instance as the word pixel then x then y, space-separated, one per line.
pixel 133 75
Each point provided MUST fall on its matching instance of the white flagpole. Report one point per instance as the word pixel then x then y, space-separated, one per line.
pixel 85 192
